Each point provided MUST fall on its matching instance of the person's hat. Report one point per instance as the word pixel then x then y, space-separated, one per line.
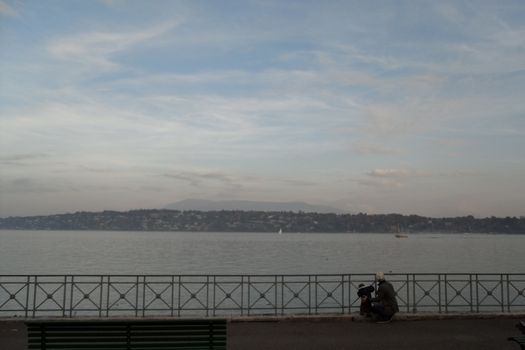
pixel 380 276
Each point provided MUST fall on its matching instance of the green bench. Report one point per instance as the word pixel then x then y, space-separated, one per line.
pixel 187 334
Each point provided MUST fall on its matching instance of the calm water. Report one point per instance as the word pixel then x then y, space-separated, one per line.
pixel 97 252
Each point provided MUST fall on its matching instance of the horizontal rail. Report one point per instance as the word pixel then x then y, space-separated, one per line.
pixel 243 295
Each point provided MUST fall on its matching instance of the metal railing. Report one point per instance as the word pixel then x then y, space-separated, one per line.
pixel 243 295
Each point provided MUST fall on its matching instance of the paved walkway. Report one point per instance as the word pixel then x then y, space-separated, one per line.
pixel 427 334
pixel 338 333
pixel 13 335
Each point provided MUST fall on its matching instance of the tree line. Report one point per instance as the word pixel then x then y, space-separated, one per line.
pixel 262 221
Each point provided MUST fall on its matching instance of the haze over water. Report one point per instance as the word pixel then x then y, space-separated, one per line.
pixel 98 252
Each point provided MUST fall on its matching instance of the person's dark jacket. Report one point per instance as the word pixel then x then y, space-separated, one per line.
pixel 387 297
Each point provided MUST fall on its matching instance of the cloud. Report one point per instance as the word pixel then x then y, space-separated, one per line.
pixel 21 159
pixel 6 10
pixel 96 49
pixel 299 183
pixel 390 178
pixel 230 185
pixel 510 37
pixel 153 130
pixel 396 173
pixel 112 3
pixel 365 148
pixel 27 185
pixel 380 183
pixel 22 182
pixel 101 170
pixel 198 178
pixel 389 173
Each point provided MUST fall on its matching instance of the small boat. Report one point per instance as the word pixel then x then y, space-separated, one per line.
pixel 401 235
pixel 280 231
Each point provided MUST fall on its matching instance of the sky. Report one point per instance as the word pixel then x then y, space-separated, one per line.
pixel 411 107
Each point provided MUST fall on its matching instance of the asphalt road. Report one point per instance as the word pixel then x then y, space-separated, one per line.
pixel 13 336
pixel 461 334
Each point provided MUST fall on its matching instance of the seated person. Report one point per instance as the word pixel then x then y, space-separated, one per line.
pixel 384 305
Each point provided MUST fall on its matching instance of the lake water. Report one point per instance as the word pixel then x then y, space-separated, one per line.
pixel 115 252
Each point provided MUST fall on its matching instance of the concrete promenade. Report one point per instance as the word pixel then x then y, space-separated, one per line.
pixel 457 332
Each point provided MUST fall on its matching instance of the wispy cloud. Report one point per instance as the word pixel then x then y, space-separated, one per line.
pixel 388 173
pixel 20 158
pixel 96 49
pixel 391 179
pixel 28 185
pixel 198 178
pixel 6 10
pixel 112 3
pixel 366 148
pixel 380 183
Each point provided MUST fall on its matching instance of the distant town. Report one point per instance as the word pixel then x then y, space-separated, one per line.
pixel 262 221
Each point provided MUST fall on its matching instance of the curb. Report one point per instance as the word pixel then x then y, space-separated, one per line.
pixel 284 318
pixel 359 318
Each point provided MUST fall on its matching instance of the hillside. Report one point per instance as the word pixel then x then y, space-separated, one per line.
pixel 260 221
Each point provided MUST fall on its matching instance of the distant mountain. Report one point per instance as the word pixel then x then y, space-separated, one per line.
pixel 208 205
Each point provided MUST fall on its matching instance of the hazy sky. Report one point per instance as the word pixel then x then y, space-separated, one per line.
pixel 369 106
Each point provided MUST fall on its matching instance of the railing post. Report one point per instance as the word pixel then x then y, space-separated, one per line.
pixel 275 295
pixel 172 294
pixel 309 294
pixel 34 295
pixel 471 291
pixel 315 284
pixel 349 293
pixel 101 296
pixel 439 292
pixel 28 285
pixel 502 294
pixel 446 294
pixel 214 292
pixel 64 297
pixel 143 296
pixel 249 289
pixel 508 294
pixel 242 295
pixel 477 293
pixel 408 291
pixel 208 296
pixel 414 306
pixel 71 296
pixel 282 295
pixel 178 296
pixel 137 295
pixel 342 294
pixel 107 295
